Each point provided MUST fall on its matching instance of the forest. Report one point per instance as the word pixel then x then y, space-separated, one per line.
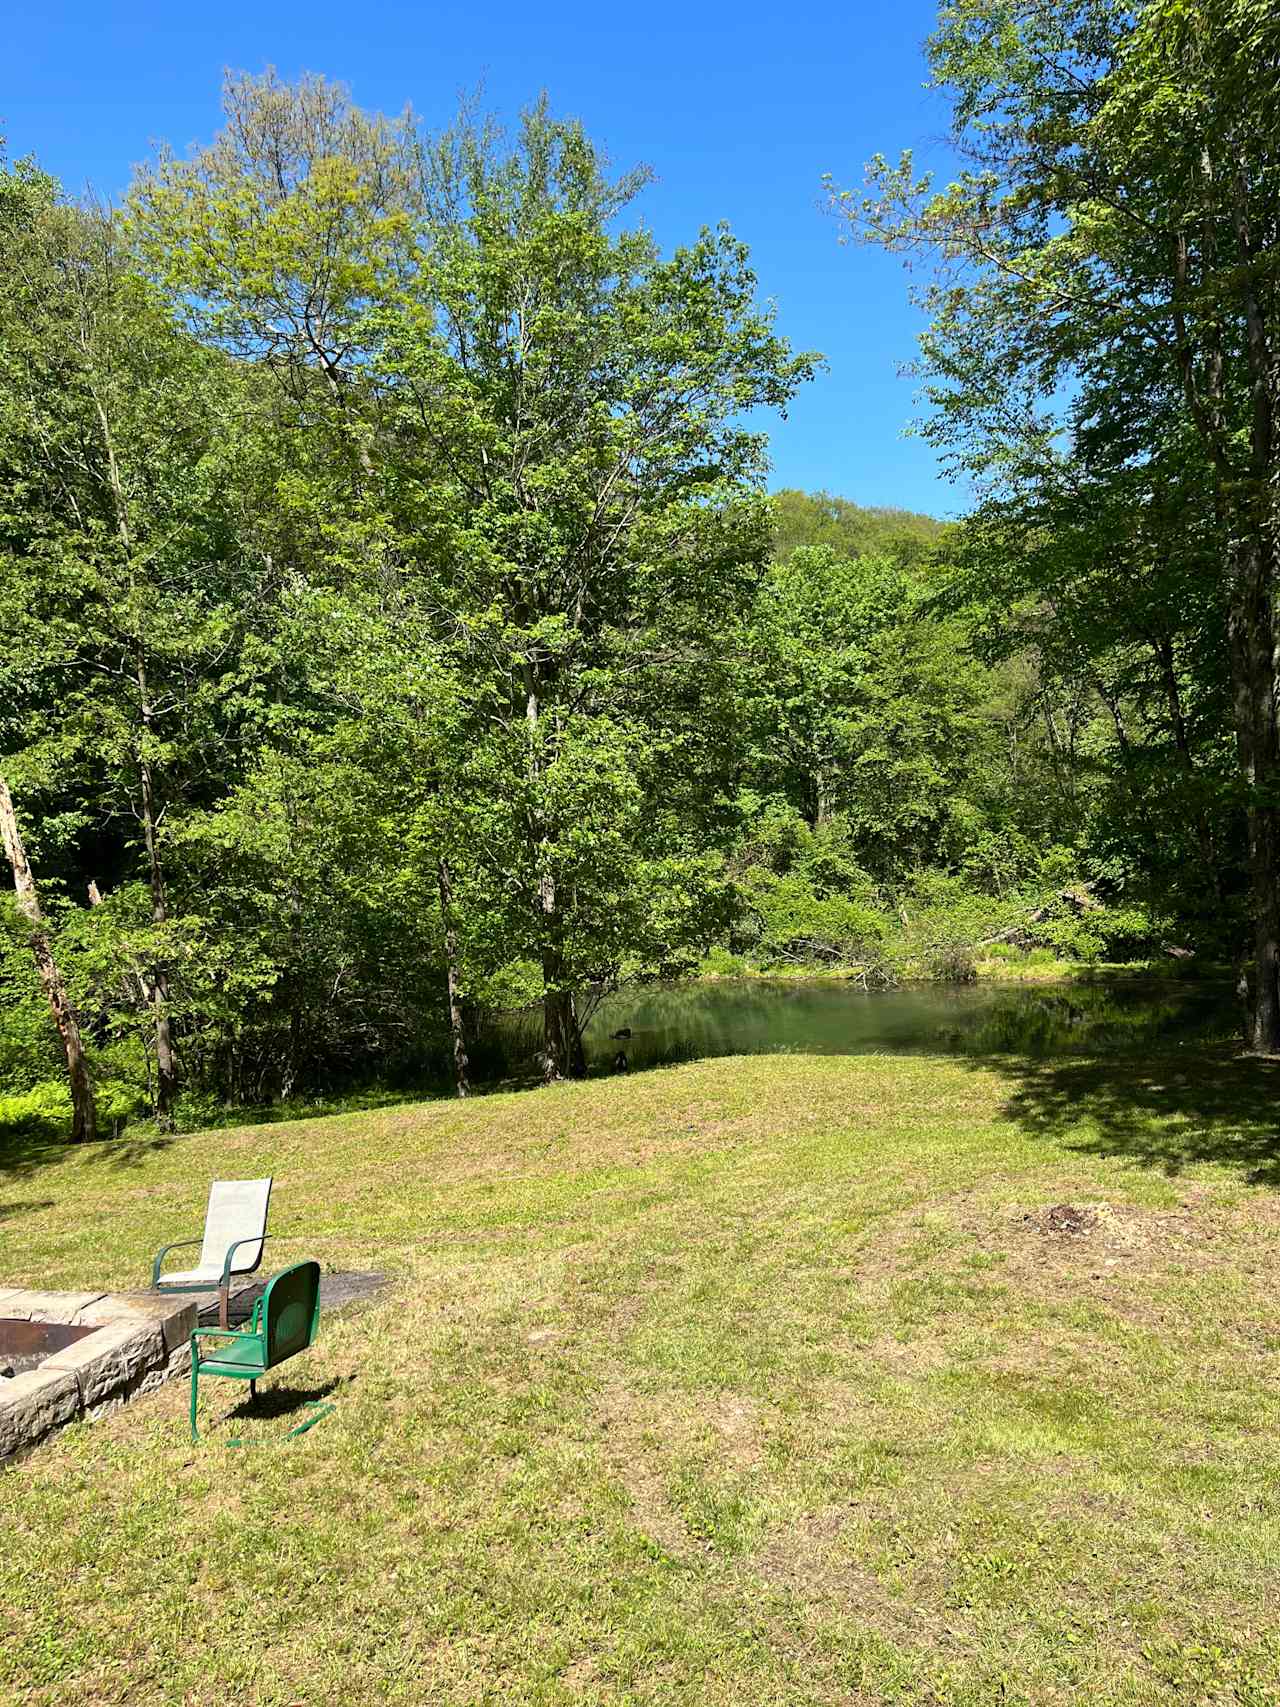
pixel 396 629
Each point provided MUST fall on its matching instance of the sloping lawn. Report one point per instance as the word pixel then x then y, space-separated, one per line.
pixel 781 1379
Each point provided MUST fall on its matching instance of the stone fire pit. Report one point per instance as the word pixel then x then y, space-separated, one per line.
pixel 76 1354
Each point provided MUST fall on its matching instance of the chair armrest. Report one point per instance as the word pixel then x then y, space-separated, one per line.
pixel 163 1252
pixel 222 1334
pixel 254 1239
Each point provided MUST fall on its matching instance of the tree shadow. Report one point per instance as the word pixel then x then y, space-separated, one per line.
pixel 23 1155
pixel 1166 1112
pixel 24 1206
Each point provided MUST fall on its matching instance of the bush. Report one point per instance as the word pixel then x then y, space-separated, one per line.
pixel 953 963
pixel 720 963
pixel 799 924
pixel 1114 932
pixel 1001 951
pixel 44 1111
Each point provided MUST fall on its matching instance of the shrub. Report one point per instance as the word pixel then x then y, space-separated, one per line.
pixel 951 963
pixel 721 963
pixel 800 924
pixel 44 1111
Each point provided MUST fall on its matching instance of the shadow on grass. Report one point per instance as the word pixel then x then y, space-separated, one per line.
pixel 1167 1112
pixel 283 1401
pixel 24 1206
pixel 23 1152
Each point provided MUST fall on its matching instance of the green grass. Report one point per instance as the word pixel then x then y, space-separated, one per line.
pixel 750 1381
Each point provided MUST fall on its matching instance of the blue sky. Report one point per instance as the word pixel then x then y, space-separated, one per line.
pixel 738 109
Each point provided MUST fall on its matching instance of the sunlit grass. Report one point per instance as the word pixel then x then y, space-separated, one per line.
pixel 758 1380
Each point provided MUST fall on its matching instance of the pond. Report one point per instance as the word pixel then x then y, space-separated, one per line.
pixel 752 1016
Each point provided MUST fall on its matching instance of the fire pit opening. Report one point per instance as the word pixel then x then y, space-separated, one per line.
pixel 25 1345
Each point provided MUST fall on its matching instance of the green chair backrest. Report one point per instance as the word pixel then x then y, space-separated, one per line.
pixel 290 1311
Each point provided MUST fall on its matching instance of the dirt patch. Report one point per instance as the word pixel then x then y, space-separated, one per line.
pixel 1098 1231
pixel 1116 1228
pixel 820 1561
pixel 950 1263
pixel 804 1556
pixel 1063 1221
pixel 736 1422
pixel 350 1286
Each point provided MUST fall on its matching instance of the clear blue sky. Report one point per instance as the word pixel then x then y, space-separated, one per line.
pixel 739 110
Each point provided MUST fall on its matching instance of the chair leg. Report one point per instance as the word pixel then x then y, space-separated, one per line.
pixel 195 1388
pixel 253 1390
pixel 321 1412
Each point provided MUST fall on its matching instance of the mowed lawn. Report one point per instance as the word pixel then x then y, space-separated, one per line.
pixel 757 1381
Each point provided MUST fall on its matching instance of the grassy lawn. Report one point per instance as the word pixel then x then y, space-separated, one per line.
pixel 755 1381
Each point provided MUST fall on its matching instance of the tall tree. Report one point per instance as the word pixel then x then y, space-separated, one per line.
pixel 549 483
pixel 1111 264
pixel 126 593
pixel 593 525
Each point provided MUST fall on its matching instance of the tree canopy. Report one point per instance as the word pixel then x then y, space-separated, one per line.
pixel 396 630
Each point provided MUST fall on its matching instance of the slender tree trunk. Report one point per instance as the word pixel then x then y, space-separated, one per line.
pixel 84 1114
pixel 820 810
pixel 157 985
pixel 1253 623
pixel 461 1066
pixel 1244 498
pixel 556 1052
pixel 577 1053
pixel 1178 723
pixel 1252 629
pixel 563 1055
pixel 562 1051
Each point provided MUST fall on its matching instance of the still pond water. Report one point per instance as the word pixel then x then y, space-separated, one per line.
pixel 752 1016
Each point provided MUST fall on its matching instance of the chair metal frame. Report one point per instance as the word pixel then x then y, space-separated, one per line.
pixel 254 1350
pixel 159 1284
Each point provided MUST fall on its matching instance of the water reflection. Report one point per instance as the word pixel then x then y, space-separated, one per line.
pixel 752 1016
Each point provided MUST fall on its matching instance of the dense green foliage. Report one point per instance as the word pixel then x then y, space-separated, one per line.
pixel 1103 364
pixel 394 628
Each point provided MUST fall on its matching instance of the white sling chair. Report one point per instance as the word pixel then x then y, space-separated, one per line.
pixel 235 1229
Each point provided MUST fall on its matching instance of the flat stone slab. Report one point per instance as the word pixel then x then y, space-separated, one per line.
pixel 176 1317
pixel 48 1306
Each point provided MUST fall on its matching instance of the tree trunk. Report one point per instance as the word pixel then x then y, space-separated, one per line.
pixel 1244 494
pixel 577 1053
pixel 1163 648
pixel 84 1114
pixel 562 1052
pixel 820 812
pixel 555 1029
pixel 157 985
pixel 461 1066
pixel 1253 660
pixel 563 1056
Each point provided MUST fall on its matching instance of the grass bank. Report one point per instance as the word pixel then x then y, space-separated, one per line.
pixel 779 1379
pixel 1036 966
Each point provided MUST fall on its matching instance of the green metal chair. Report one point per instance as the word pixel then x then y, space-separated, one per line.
pixel 284 1323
